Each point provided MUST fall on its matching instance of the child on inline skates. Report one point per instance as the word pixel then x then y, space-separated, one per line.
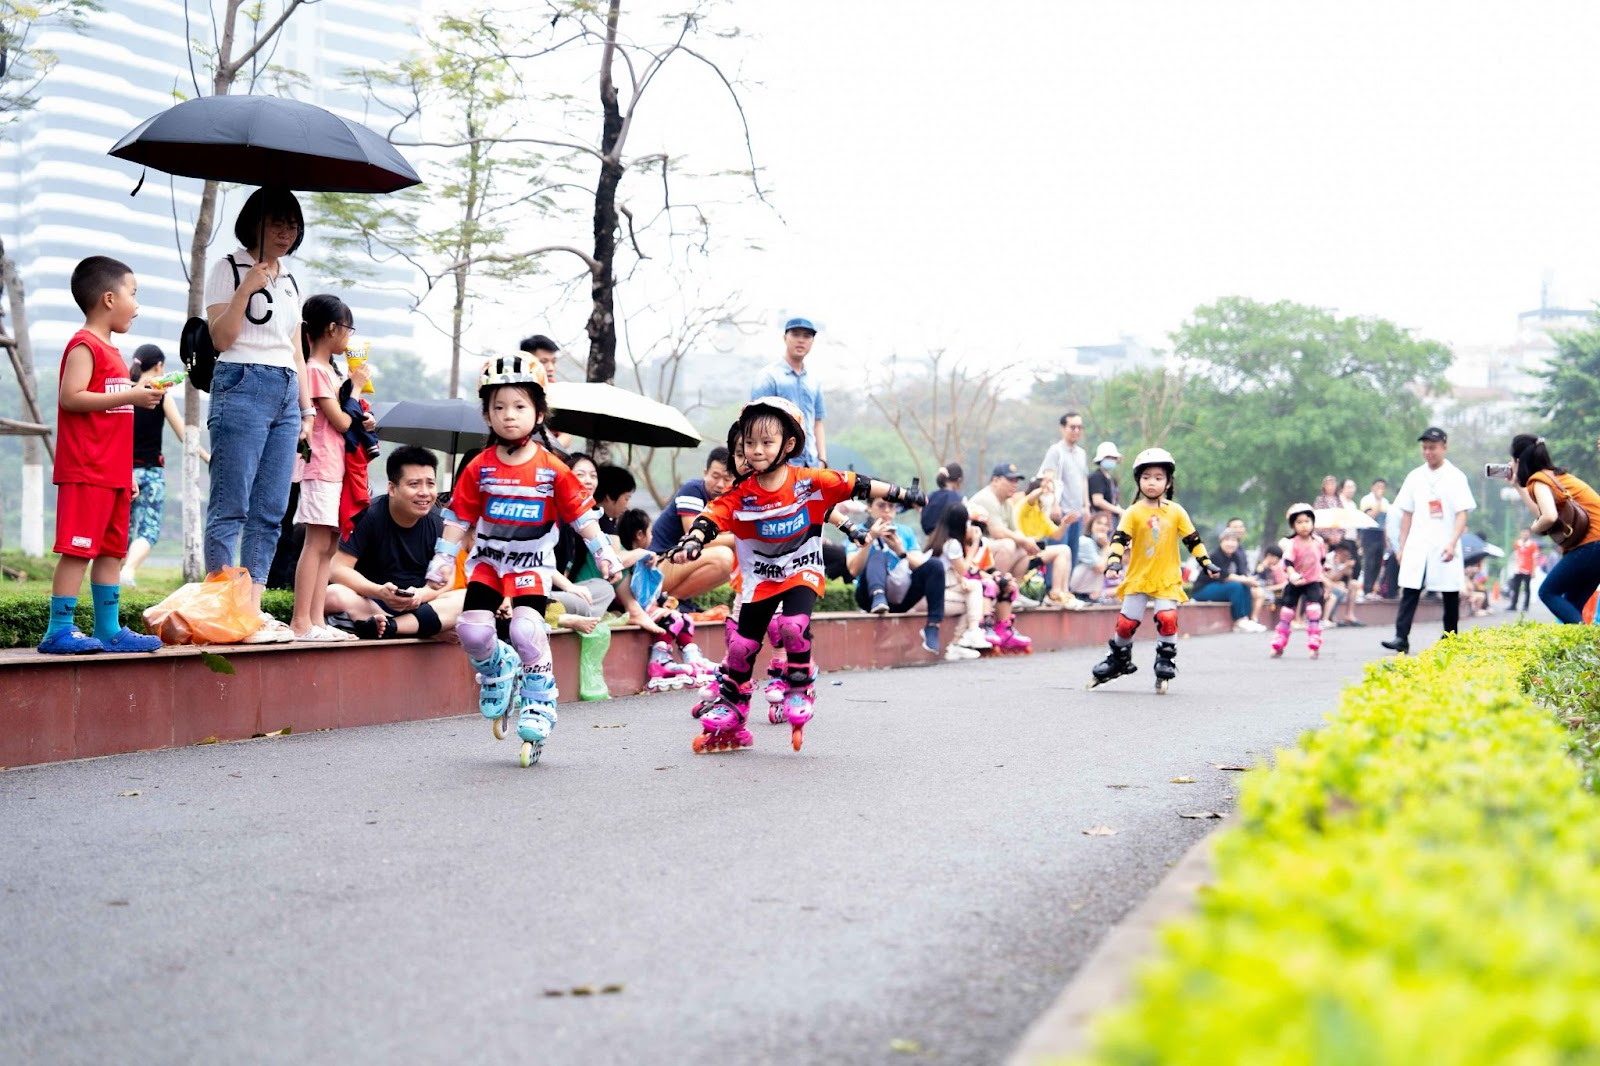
pixel 952 540
pixel 999 592
pixel 511 495
pixel 775 512
pixel 1149 535
pixel 1303 556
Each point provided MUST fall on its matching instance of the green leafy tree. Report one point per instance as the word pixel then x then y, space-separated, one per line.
pixel 454 229
pixel 1293 392
pixel 1568 402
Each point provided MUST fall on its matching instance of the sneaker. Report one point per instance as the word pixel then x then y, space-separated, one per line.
pixel 128 641
pixel 930 639
pixel 956 653
pixel 1248 625
pixel 1025 603
pixel 974 640
pixel 880 602
pixel 70 642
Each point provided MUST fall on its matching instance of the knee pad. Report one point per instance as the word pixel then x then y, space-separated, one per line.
pixel 529 637
pixel 475 630
pixel 741 657
pixel 991 588
pixel 1007 588
pixel 774 633
pixel 1285 615
pixel 1126 627
pixel 1167 622
pixel 1313 613
pixel 680 626
pixel 794 630
pixel 428 624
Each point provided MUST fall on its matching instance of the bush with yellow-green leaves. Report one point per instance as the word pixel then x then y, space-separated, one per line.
pixel 1417 882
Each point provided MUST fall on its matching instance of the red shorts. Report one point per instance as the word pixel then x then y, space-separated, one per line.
pixel 528 583
pixel 92 520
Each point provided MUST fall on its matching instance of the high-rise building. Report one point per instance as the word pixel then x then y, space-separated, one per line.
pixel 62 197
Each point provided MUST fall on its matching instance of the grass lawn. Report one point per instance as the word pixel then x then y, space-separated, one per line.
pixel 153 580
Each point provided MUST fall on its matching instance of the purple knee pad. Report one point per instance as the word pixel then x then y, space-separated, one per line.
pixel 774 634
pixel 741 657
pixel 680 626
pixel 528 636
pixel 793 633
pixel 475 630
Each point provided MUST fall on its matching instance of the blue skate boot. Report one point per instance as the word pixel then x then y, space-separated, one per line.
pixel 497 683
pixel 536 712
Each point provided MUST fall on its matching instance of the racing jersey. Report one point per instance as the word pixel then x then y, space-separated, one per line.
pixel 513 510
pixel 778 534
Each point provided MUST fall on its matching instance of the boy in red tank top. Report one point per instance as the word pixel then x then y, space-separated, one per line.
pixel 94 463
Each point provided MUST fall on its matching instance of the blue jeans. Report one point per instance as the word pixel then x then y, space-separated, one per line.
pixel 927 580
pixel 1071 537
pixel 1570 583
pixel 254 424
pixel 1236 596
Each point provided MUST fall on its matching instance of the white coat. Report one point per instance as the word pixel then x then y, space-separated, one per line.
pixel 1434 498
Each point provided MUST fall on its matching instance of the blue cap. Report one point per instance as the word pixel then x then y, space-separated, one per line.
pixel 1008 470
pixel 799 323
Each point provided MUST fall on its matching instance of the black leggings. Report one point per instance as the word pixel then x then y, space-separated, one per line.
pixel 754 617
pixel 481 597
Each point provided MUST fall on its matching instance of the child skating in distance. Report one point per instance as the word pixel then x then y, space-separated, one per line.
pixel 1303 556
pixel 512 495
pixel 1147 541
pixel 775 513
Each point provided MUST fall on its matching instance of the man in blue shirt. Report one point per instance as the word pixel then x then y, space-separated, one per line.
pixel 715 565
pixel 790 380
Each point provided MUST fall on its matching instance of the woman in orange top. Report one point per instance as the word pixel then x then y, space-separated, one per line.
pixel 1570 583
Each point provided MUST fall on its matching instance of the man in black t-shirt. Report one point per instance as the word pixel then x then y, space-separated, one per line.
pixel 379 588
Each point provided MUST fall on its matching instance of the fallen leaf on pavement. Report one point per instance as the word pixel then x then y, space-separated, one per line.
pixel 610 990
pixel 905 1047
pixel 1198 814
pixel 1226 766
pixel 129 792
pixel 619 725
pixel 1100 831
pixel 1183 780
pixel 207 740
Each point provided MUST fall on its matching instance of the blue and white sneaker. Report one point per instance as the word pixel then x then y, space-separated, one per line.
pixel 71 642
pixel 930 639
pixel 127 641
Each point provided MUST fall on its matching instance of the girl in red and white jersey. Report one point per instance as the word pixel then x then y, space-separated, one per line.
pixel 512 495
pixel 775 513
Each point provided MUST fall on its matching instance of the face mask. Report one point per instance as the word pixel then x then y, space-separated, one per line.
pixel 1108 464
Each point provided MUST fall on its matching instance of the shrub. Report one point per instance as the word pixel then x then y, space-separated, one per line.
pixel 836 596
pixel 1419 881
pixel 25 617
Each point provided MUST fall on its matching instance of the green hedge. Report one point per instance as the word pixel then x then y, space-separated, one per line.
pixel 1419 881
pixel 24 618
pixel 836 596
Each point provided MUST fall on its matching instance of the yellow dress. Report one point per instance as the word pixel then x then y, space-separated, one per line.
pixel 1153 562
pixel 1032 522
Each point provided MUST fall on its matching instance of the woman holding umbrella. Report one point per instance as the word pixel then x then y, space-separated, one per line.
pixel 260 401
pixel 1570 583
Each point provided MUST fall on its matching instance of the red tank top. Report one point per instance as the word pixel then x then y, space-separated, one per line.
pixel 96 447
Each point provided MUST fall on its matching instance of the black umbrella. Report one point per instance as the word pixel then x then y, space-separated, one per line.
pixel 267 140
pixel 442 425
pixel 1474 548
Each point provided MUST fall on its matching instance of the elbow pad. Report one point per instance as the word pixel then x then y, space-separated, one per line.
pixel 1192 542
pixel 705 527
pixel 1119 539
pixel 862 490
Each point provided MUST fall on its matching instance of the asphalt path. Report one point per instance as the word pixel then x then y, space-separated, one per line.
pixel 916 882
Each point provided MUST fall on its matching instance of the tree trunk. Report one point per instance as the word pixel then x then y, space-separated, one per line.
pixel 602 319
pixel 457 313
pixel 33 448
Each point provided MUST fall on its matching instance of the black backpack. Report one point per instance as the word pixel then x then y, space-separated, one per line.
pixel 195 347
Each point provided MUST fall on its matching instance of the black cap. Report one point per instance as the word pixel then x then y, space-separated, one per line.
pixel 1434 434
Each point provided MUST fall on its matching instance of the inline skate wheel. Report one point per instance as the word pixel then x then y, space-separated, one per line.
pixel 777 715
pixel 700 743
pixel 530 754
pixel 797 737
pixel 498 725
pixel 1161 687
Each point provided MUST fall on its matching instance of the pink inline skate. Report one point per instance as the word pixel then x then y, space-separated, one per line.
pixel 799 700
pixel 723 719
pixel 665 672
pixel 1280 639
pixel 1314 629
pixel 776 688
pixel 1007 641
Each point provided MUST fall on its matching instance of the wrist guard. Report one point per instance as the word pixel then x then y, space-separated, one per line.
pixel 600 548
pixel 852 532
pixel 911 497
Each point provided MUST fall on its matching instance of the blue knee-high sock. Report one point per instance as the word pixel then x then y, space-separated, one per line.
pixel 107 615
pixel 62 608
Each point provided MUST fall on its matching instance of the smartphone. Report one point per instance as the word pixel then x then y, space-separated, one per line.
pixel 304 448
pixel 407 593
pixel 1497 470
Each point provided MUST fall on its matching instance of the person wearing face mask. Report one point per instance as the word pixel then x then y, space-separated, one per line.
pixel 1104 496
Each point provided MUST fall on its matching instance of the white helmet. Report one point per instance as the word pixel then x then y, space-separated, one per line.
pixel 1154 457
pixel 514 369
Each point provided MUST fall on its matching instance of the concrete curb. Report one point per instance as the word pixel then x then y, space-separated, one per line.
pixel 1106 979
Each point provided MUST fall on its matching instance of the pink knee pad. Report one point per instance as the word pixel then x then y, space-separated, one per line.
pixel 794 633
pixel 475 630
pixel 528 636
pixel 991 590
pixel 1167 623
pixel 680 626
pixel 1313 613
pixel 774 634
pixel 741 657
pixel 1126 627
pixel 1285 616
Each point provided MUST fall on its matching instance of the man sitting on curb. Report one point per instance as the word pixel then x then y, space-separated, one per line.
pixel 379 588
pixel 1012 549
pixel 715 565
pixel 892 579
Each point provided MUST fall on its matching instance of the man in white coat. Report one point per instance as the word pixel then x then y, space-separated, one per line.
pixel 1433 505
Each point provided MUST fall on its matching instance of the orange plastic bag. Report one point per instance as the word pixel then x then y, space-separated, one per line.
pixel 214 611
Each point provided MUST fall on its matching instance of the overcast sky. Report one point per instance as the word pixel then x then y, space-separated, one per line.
pixel 1016 179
